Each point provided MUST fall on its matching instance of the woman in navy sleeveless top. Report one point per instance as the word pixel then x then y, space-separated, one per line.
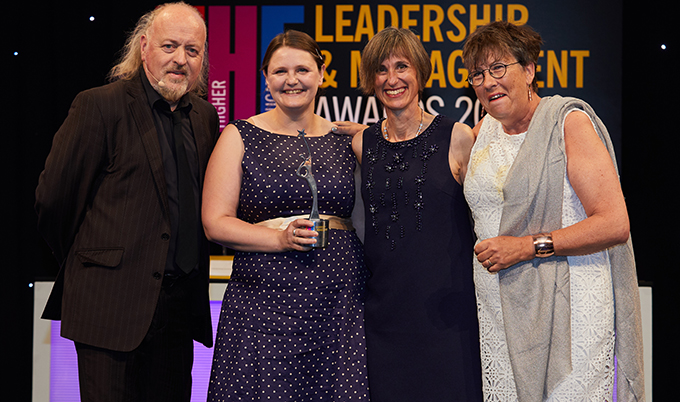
pixel 421 323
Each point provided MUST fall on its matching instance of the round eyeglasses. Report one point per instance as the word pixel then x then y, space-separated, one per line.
pixel 497 71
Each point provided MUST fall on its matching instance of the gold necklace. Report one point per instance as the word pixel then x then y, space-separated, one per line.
pixel 420 127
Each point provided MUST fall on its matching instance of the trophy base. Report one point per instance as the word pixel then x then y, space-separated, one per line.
pixel 321 226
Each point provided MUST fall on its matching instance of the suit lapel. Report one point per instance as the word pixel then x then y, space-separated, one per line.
pixel 143 118
pixel 202 137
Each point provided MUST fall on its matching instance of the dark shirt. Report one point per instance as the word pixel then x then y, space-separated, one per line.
pixel 164 126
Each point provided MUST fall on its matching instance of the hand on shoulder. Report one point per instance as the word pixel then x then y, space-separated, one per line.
pixel 348 128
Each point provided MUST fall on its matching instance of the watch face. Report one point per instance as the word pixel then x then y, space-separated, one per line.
pixel 543 245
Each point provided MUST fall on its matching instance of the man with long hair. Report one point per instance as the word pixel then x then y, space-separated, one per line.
pixel 118 203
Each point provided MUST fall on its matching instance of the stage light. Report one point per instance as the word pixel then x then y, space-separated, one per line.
pixel 91 18
pixel 663 46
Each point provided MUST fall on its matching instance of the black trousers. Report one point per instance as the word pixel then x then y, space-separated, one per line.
pixel 158 370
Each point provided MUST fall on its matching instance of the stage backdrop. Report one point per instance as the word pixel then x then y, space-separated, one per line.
pixel 581 53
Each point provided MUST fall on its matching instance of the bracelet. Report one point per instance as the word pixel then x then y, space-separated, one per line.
pixel 543 244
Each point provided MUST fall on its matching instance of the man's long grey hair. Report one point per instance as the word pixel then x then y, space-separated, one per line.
pixel 131 54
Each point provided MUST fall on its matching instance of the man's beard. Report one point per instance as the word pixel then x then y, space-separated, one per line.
pixel 171 93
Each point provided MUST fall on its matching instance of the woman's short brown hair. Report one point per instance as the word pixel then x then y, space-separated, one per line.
pixel 296 40
pixel 386 43
pixel 500 38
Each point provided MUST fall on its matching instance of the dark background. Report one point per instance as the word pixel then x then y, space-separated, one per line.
pixel 60 53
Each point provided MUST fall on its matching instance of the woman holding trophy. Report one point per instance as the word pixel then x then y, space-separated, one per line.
pixel 291 324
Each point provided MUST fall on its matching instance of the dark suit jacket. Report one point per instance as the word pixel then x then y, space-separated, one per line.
pixel 103 208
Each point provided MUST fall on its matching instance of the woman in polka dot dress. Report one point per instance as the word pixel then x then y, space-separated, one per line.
pixel 291 327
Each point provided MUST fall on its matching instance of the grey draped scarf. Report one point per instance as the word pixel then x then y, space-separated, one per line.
pixel 535 294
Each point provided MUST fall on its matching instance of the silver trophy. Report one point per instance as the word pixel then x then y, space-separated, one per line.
pixel 305 171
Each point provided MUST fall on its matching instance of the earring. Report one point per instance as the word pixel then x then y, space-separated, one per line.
pixel 530 95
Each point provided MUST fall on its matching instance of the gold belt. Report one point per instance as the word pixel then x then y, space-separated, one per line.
pixel 334 222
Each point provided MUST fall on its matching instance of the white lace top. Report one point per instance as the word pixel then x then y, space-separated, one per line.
pixel 592 301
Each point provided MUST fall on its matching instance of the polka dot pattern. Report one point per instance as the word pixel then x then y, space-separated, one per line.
pixel 270 187
pixel 291 326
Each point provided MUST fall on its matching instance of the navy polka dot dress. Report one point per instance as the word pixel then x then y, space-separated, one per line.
pixel 291 326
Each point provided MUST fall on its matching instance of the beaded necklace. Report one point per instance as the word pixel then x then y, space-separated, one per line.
pixel 394 158
pixel 420 127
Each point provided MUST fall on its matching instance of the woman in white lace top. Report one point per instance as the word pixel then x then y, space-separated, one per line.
pixel 552 226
